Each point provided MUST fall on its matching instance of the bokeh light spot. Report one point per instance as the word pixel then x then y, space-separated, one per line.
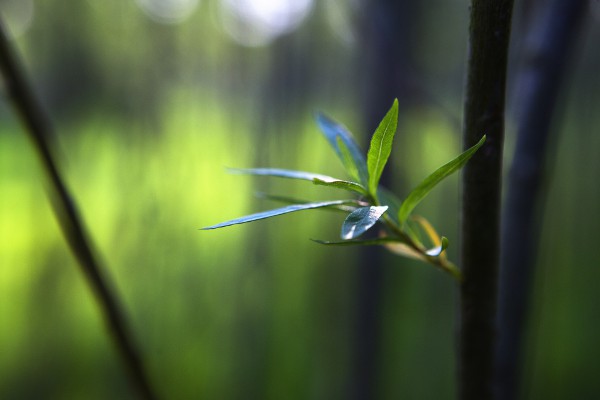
pixel 258 22
pixel 168 11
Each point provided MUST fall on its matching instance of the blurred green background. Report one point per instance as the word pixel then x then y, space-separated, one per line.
pixel 152 99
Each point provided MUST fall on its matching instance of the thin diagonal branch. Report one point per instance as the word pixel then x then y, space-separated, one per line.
pixel 38 128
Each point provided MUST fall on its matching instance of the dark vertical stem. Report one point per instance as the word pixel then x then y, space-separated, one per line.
pixel 489 35
pixel 546 52
pixel 38 128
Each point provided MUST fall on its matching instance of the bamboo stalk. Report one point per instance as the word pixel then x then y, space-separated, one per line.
pixel 39 129
pixel 546 53
pixel 489 35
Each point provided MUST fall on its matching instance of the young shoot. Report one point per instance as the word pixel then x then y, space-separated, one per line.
pixel 372 205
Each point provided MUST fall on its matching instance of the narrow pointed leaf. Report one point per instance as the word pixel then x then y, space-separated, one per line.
pixel 361 220
pixel 317 179
pixel 381 147
pixel 339 184
pixel 351 157
pixel 278 211
pixel 348 161
pixel 282 173
pixel 366 242
pixel 432 180
pixel 347 207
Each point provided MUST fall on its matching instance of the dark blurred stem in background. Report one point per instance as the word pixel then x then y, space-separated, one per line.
pixel 549 42
pixel 489 35
pixel 39 130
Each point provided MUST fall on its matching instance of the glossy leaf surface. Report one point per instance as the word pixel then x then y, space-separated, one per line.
pixel 279 211
pixel 366 242
pixel 361 220
pixel 348 206
pixel 282 173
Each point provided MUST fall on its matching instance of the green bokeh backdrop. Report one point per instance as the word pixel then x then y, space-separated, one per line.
pixel 148 115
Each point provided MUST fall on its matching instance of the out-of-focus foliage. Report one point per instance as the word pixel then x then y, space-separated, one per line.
pixel 151 99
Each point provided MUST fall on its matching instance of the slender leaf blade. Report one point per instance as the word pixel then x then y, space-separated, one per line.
pixel 432 180
pixel 347 207
pixel 317 179
pixel 351 156
pixel 381 147
pixel 282 173
pixel 348 160
pixel 361 220
pixel 359 242
pixel 278 211
pixel 339 184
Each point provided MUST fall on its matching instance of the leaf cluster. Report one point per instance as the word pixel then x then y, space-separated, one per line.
pixel 401 232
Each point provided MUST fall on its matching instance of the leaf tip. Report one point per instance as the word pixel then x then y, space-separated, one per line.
pixel 445 243
pixel 322 119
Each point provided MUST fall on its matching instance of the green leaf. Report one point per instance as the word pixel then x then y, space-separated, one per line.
pixel 349 163
pixel 361 220
pixel 381 147
pixel 339 184
pixel 279 211
pixel 432 180
pixel 350 154
pixel 317 179
pixel 282 173
pixel 366 242
pixel 346 208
